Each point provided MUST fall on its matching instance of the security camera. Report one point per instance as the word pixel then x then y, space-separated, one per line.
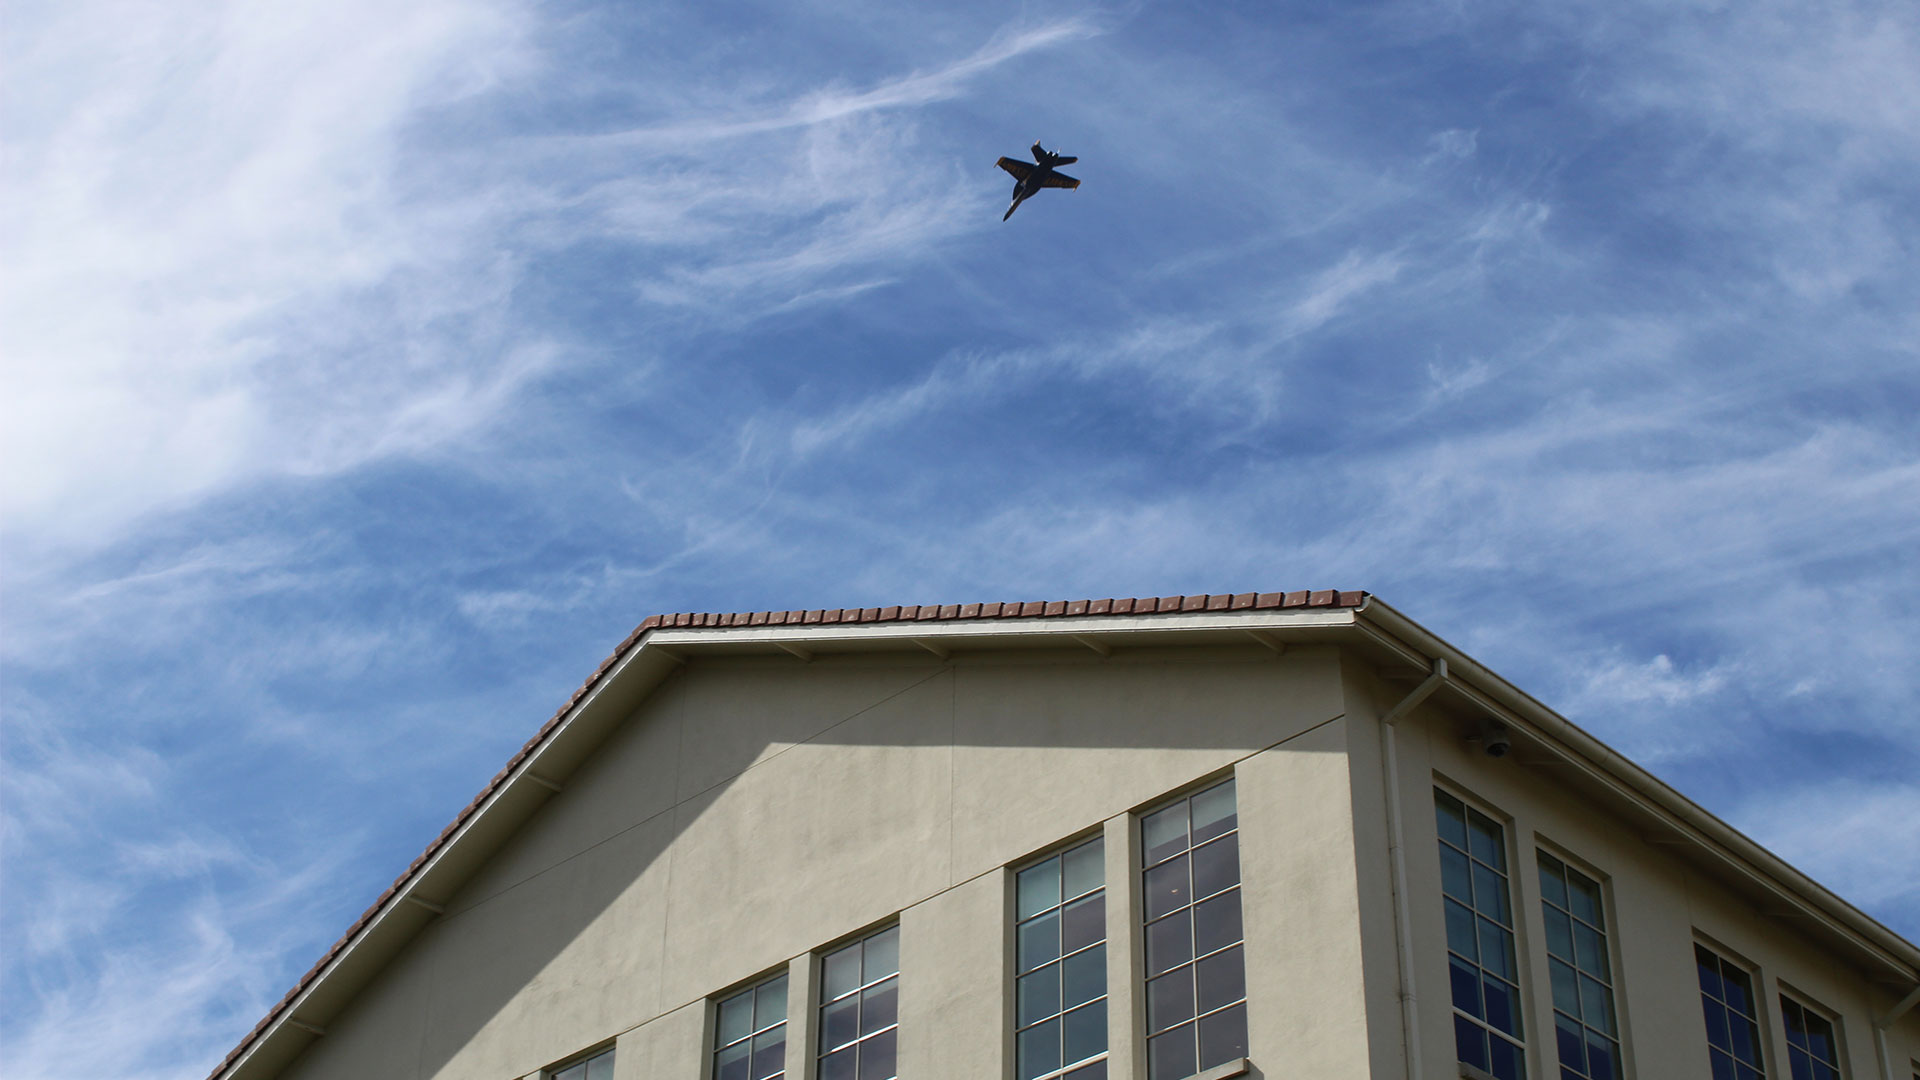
pixel 1496 742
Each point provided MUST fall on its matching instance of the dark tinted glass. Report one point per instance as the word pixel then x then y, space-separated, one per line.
pixel 1172 1055
pixel 1223 1036
pixel 1086 1032
pixel 1084 978
pixel 1216 922
pixel 1169 943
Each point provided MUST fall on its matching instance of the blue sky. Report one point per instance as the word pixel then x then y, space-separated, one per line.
pixel 370 370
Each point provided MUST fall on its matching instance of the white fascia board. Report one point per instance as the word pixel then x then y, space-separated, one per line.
pixel 1634 785
pixel 1014 628
pixel 398 900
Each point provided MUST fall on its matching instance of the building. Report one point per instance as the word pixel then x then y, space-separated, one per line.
pixel 1279 835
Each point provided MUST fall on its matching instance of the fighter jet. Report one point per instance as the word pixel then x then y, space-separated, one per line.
pixel 1028 179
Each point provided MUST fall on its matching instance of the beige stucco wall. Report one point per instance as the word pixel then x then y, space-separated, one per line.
pixel 1660 902
pixel 753 811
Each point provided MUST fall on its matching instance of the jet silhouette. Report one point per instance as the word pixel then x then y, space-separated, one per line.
pixel 1028 179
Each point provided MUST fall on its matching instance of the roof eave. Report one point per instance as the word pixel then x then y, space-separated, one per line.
pixel 1693 826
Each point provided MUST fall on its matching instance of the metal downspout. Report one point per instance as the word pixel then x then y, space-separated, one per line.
pixel 1403 924
pixel 1881 1025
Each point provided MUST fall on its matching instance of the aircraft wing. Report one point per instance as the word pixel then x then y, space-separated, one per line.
pixel 1020 169
pixel 1061 180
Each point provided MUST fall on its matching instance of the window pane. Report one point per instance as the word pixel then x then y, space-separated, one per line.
pixel 1216 866
pixel 1213 812
pixel 1164 833
pixel 1559 934
pixel 1505 1062
pixel 1170 1056
pixel 770 1002
pixel 1490 895
pixel 1039 941
pixel 1466 989
pixel 1571 1042
pixel 1084 868
pixel 1038 1051
pixel 1739 990
pixel 733 1063
pixel 1098 1071
pixel 601 1068
pixel 1083 922
pixel 1553 885
pixel 1744 1039
pixel 883 954
pixel 1222 980
pixel 840 972
pixel 1038 888
pixel 1170 1000
pixel 879 1006
pixel 1085 978
pixel 1502 1004
pixel 1583 896
pixel 1483 840
pixel 1451 817
pixel 1223 1036
pixel 1601 1058
pixel 1086 1033
pixel 1169 942
pixel 1709 969
pixel 572 1072
pixel 1166 887
pixel 840 1023
pixel 1496 949
pixel 1717 1034
pixel 1596 1005
pixel 1796 1023
pixel 1039 995
pixel 1470 1042
pixel 1455 879
pixel 877 1057
pixel 1590 949
pixel 736 1018
pixel 1460 932
pixel 839 1064
pixel 1566 988
pixel 1216 922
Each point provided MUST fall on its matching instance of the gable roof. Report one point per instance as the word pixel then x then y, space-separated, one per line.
pixel 818 617
pixel 1380 629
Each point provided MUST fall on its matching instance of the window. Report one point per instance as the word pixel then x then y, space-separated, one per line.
pixel 1733 1017
pixel 1196 973
pixel 1487 1033
pixel 597 1067
pixel 859 1008
pixel 1812 1051
pixel 1584 1023
pixel 750 1033
pixel 1060 966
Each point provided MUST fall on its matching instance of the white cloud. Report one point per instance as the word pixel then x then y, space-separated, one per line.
pixel 217 268
pixel 1857 839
